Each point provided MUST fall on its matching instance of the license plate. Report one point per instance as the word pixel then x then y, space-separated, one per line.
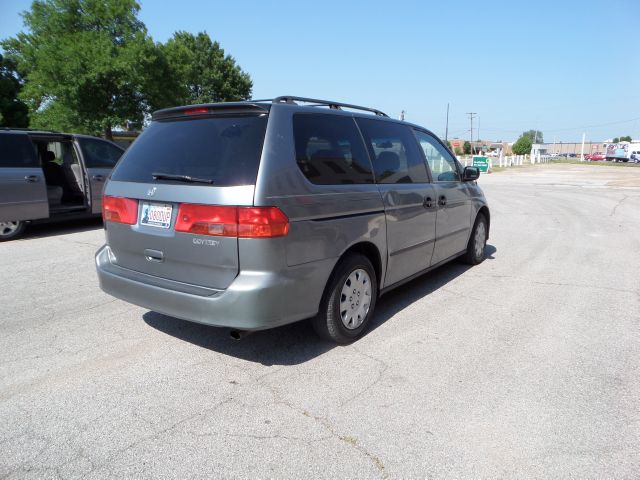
pixel 156 215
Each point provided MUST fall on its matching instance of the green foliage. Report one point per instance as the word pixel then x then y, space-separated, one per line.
pixel 458 151
pixel 615 140
pixel 522 145
pixel 89 65
pixel 466 147
pixel 13 112
pixel 626 138
pixel 534 135
pixel 203 72
pixel 89 57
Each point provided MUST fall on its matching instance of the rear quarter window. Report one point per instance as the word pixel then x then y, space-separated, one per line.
pixel 17 151
pixel 329 150
pixel 226 150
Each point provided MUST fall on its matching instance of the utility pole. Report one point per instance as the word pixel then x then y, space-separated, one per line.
pixel 478 137
pixel 446 131
pixel 471 115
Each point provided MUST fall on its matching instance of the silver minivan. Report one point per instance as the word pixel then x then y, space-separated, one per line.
pixel 47 176
pixel 255 214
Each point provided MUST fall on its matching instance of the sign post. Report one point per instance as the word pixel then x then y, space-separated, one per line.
pixel 481 162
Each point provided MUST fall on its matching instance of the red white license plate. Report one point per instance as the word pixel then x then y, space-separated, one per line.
pixel 156 214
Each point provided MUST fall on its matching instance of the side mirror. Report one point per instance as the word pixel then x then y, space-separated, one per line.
pixel 469 174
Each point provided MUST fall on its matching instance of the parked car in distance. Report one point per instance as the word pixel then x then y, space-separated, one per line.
pixel 49 176
pixel 256 214
pixel 587 156
pixel 597 157
pixel 635 156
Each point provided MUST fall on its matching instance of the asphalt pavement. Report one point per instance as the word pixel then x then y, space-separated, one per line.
pixel 525 366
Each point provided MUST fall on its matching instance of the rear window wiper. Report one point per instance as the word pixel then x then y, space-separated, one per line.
pixel 180 178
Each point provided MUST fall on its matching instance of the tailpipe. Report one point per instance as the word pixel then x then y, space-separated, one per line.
pixel 239 334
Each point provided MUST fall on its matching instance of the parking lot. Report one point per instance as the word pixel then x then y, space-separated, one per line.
pixel 525 366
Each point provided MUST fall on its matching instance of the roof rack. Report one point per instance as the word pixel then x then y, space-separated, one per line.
pixel 328 103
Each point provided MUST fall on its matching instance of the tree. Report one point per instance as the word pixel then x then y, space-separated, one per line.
pixel 88 65
pixel 522 145
pixel 13 112
pixel 626 138
pixel 203 72
pixel 615 140
pixel 466 147
pixel 534 135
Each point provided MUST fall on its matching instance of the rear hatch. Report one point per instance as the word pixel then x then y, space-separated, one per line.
pixel 187 158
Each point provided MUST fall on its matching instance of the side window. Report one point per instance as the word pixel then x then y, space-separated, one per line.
pixel 394 152
pixel 443 166
pixel 17 151
pixel 329 150
pixel 98 153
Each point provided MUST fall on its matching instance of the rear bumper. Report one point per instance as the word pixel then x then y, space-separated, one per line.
pixel 255 300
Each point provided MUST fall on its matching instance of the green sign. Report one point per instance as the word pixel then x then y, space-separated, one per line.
pixel 481 162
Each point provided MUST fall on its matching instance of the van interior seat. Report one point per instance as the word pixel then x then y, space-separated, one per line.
pixel 73 180
pixel 53 178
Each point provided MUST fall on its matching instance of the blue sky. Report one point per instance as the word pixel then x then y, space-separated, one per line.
pixel 564 67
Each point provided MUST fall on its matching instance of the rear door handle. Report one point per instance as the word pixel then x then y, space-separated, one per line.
pixel 32 178
pixel 98 178
pixel 442 200
pixel 153 255
pixel 428 202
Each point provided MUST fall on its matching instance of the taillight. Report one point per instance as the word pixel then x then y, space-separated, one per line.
pixel 245 222
pixel 207 220
pixel 119 210
pixel 262 222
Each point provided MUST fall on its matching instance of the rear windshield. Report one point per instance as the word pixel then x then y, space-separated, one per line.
pixel 223 149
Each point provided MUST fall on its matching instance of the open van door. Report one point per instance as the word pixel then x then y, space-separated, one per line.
pixel 99 157
pixel 23 191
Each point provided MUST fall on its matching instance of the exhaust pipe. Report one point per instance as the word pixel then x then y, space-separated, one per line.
pixel 239 334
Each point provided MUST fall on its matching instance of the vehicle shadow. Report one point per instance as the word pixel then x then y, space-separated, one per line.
pixel 43 230
pixel 297 343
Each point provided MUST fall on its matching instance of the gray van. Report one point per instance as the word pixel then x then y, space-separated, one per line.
pixel 46 176
pixel 255 214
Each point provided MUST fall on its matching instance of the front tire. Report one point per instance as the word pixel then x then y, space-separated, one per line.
pixel 11 230
pixel 477 242
pixel 348 302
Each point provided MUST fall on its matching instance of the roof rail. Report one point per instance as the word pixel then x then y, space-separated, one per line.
pixel 328 103
pixel 21 129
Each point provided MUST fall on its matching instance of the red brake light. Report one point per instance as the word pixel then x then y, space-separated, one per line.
pixel 196 111
pixel 245 222
pixel 119 210
pixel 207 220
pixel 262 222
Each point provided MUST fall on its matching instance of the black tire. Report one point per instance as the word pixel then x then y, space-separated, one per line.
pixel 475 253
pixel 11 230
pixel 329 323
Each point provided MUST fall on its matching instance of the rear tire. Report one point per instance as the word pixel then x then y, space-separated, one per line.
pixel 477 242
pixel 11 230
pixel 348 301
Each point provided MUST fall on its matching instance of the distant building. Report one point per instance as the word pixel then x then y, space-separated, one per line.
pixel 124 139
pixel 562 148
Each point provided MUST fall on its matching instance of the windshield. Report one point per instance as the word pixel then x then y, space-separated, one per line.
pixel 225 150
